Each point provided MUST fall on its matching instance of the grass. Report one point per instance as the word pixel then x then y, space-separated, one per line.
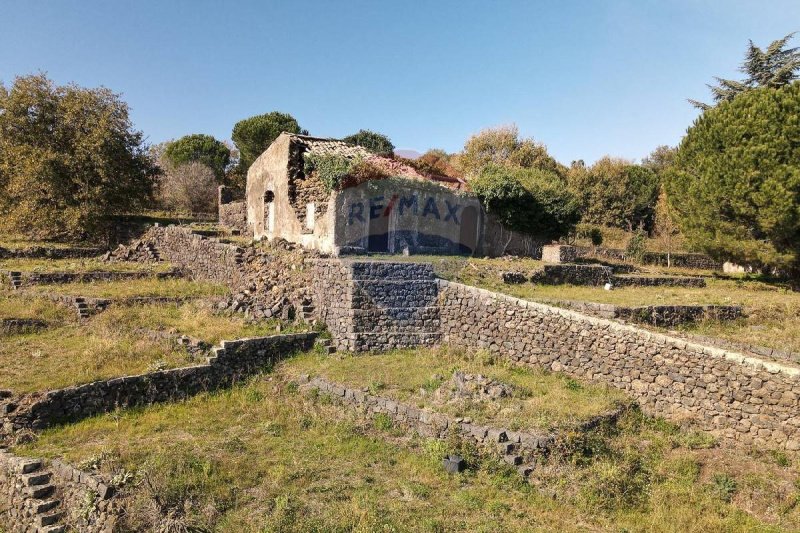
pixel 261 457
pixel 166 288
pixel 17 242
pixel 119 341
pixel 541 400
pixel 39 308
pixel 80 265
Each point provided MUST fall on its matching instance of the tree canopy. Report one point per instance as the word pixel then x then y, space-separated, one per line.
pixel 200 148
pixel 529 200
pixel 69 158
pixel 503 146
pixel 615 192
pixel 376 143
pixel 254 135
pixel 736 185
pixel 774 67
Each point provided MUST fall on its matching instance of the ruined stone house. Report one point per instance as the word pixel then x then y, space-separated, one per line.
pixel 408 212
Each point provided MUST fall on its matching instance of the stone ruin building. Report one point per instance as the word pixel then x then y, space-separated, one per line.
pixel 408 212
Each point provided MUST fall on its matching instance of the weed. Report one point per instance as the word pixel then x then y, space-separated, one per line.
pixel 724 486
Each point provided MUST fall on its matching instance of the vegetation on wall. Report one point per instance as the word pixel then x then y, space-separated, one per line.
pixel 529 200
pixel 254 135
pixel 376 143
pixel 331 169
pixel 736 187
pixel 69 158
pixel 199 148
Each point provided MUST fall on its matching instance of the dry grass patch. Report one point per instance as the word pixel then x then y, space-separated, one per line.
pixel 165 288
pixel 80 265
pixel 540 399
pixel 263 457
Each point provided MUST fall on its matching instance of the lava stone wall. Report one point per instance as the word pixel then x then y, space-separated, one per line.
pixel 739 398
pixel 231 362
pixel 371 305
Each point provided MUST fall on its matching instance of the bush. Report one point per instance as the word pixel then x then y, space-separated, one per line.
pixel 615 192
pixel 376 143
pixel 591 232
pixel 188 188
pixel 199 148
pixel 254 135
pixel 69 159
pixel 528 200
pixel 331 169
pixel 637 246
pixel 736 186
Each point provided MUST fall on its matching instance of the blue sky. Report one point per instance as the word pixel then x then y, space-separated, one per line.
pixel 587 78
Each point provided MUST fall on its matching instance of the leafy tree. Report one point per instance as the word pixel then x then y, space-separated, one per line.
pixel 254 135
pixel 660 159
pixel 665 228
pixel 736 185
pixel 774 67
pixel 533 201
pixel 376 143
pixel 502 146
pixel 69 158
pixel 199 148
pixel 436 161
pixel 615 192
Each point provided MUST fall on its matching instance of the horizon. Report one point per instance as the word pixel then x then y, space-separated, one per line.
pixel 586 80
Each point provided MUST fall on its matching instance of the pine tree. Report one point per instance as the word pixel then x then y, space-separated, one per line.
pixel 774 67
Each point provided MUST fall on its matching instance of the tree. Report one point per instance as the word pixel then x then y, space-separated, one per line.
pixel 502 146
pixel 200 148
pixel 665 229
pixel 774 67
pixel 376 143
pixel 615 192
pixel 69 159
pixel 532 201
pixel 660 159
pixel 736 185
pixel 254 135
pixel 190 187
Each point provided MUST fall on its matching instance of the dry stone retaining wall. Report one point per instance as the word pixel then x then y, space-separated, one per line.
pixel 371 305
pixel 232 361
pixel 739 398
pixel 656 315
pixel 27 279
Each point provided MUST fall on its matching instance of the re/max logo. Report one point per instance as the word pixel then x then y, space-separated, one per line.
pixel 377 207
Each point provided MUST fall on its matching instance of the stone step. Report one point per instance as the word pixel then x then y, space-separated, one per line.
pixel 32 465
pixel 60 528
pixel 42 506
pixel 507 448
pixel 514 460
pixel 40 492
pixel 36 478
pixel 48 519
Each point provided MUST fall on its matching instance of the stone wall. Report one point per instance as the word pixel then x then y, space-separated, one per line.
pixel 27 279
pixel 233 216
pixel 738 398
pixel 232 361
pixel 559 253
pixel 375 305
pixel 14 326
pixel 572 274
pixel 679 260
pixel 54 496
pixel 46 252
pixel 656 315
pixel 623 280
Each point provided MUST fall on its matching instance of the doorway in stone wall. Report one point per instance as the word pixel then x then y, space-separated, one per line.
pixel 269 210
pixel 378 235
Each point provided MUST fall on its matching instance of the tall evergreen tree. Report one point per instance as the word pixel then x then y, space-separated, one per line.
pixel 774 67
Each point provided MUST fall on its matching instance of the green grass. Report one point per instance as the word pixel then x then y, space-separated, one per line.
pixel 166 288
pixel 263 458
pixel 80 265
pixel 119 341
pixel 542 400
pixel 39 308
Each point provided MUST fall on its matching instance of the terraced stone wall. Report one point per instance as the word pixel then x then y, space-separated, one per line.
pixel 371 305
pixel 739 398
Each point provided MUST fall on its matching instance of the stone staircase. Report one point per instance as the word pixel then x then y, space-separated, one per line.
pixel 16 280
pixel 40 511
pixel 82 307
pixel 307 310
pixel 326 345
pixel 511 453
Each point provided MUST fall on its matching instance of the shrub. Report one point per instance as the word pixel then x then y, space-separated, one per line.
pixel 254 135
pixel 331 169
pixel 376 143
pixel 199 148
pixel 191 187
pixel 637 246
pixel 736 186
pixel 615 192
pixel 69 159
pixel 528 200
pixel 591 232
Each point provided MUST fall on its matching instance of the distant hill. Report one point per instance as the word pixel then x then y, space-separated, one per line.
pixel 408 154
